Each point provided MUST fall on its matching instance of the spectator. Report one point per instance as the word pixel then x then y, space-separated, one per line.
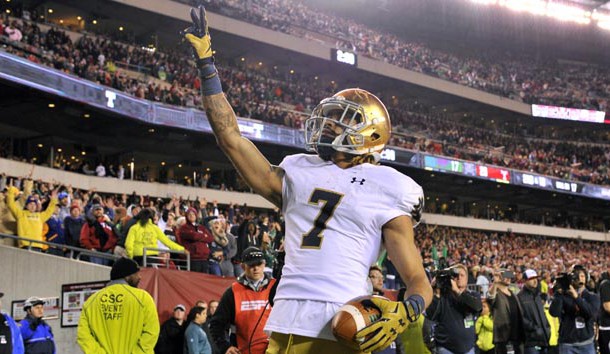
pixel 64 205
pixel 577 308
pixel 30 221
pixel 145 234
pixel 73 225
pixel 131 326
pixel 97 235
pixel 55 233
pixel 213 306
pixel 454 310
pixel 195 339
pixel 242 306
pixel 196 239
pixel 376 278
pixel 507 315
pixel 171 336
pixel 14 34
pixel 484 328
pixel 131 219
pixel 37 334
pixel 536 327
pixel 228 244
pixel 12 342
pixel 604 316
pixel 100 170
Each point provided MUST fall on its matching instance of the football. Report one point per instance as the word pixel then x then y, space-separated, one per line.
pixel 352 317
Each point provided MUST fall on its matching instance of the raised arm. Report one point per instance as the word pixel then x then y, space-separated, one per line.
pixel 264 178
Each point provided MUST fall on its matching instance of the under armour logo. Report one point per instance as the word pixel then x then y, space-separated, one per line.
pixel 354 180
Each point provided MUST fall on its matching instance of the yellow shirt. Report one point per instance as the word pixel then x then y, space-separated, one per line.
pixel 485 332
pixel 29 224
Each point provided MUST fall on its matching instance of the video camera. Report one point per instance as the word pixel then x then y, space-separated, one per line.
pixel 444 276
pixel 564 280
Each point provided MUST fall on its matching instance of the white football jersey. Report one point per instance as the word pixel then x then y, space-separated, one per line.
pixel 333 220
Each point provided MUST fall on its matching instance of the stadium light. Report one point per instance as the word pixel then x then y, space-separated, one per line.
pixel 548 8
pixel 50 11
pixel 79 18
pixel 604 25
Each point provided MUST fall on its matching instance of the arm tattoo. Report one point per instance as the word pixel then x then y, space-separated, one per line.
pixel 220 114
pixel 277 198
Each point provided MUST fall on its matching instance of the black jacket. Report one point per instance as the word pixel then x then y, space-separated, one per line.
pixel 455 318
pixel 536 326
pixel 502 325
pixel 584 308
pixel 171 338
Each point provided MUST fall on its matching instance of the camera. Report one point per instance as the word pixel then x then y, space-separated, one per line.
pixel 564 280
pixel 444 276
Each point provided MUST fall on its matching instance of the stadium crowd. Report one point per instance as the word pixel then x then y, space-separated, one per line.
pixel 267 94
pixel 517 76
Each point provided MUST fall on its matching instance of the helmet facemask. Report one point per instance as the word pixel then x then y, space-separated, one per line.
pixel 333 126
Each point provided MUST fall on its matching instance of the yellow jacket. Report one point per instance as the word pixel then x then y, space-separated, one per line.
pixel 140 237
pixel 484 328
pixel 554 322
pixel 29 224
pixel 118 319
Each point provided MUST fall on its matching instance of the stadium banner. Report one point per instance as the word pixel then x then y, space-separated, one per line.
pixel 460 167
pixel 574 114
pixel 24 72
pixel 560 186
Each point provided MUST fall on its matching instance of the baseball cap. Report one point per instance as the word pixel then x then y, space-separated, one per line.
pixel 252 255
pixel 530 274
pixel 97 206
pixel 31 199
pixel 62 195
pixel 180 307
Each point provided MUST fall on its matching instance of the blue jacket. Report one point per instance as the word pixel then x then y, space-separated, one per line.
pixel 38 339
pixel 17 341
pixel 196 341
pixel 56 231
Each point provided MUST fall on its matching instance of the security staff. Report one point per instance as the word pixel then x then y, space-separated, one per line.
pixel 37 334
pixel 245 306
pixel 119 318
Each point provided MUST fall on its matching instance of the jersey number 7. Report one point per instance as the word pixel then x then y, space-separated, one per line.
pixel 313 238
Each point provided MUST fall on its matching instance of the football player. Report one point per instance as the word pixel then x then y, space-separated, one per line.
pixel 339 206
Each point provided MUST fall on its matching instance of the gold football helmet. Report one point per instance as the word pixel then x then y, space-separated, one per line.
pixel 353 121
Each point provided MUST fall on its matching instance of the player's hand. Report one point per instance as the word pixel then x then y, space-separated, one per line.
pixel 198 34
pixel 393 321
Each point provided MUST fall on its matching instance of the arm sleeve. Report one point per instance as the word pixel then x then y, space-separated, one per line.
pixel 129 241
pixel 192 343
pixel 84 338
pixel 471 301
pixel 10 203
pixel 84 237
pixel 222 320
pixel 18 346
pixel 150 330
pixel 589 305
pixel 48 212
pixel 556 308
pixel 186 233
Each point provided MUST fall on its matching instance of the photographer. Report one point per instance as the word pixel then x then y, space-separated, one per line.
pixel 507 315
pixel 454 310
pixel 576 309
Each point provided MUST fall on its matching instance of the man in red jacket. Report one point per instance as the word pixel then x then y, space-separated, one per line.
pixel 98 235
pixel 196 239
pixel 246 306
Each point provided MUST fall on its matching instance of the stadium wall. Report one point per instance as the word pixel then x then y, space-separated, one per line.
pixel 26 274
pixel 225 24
